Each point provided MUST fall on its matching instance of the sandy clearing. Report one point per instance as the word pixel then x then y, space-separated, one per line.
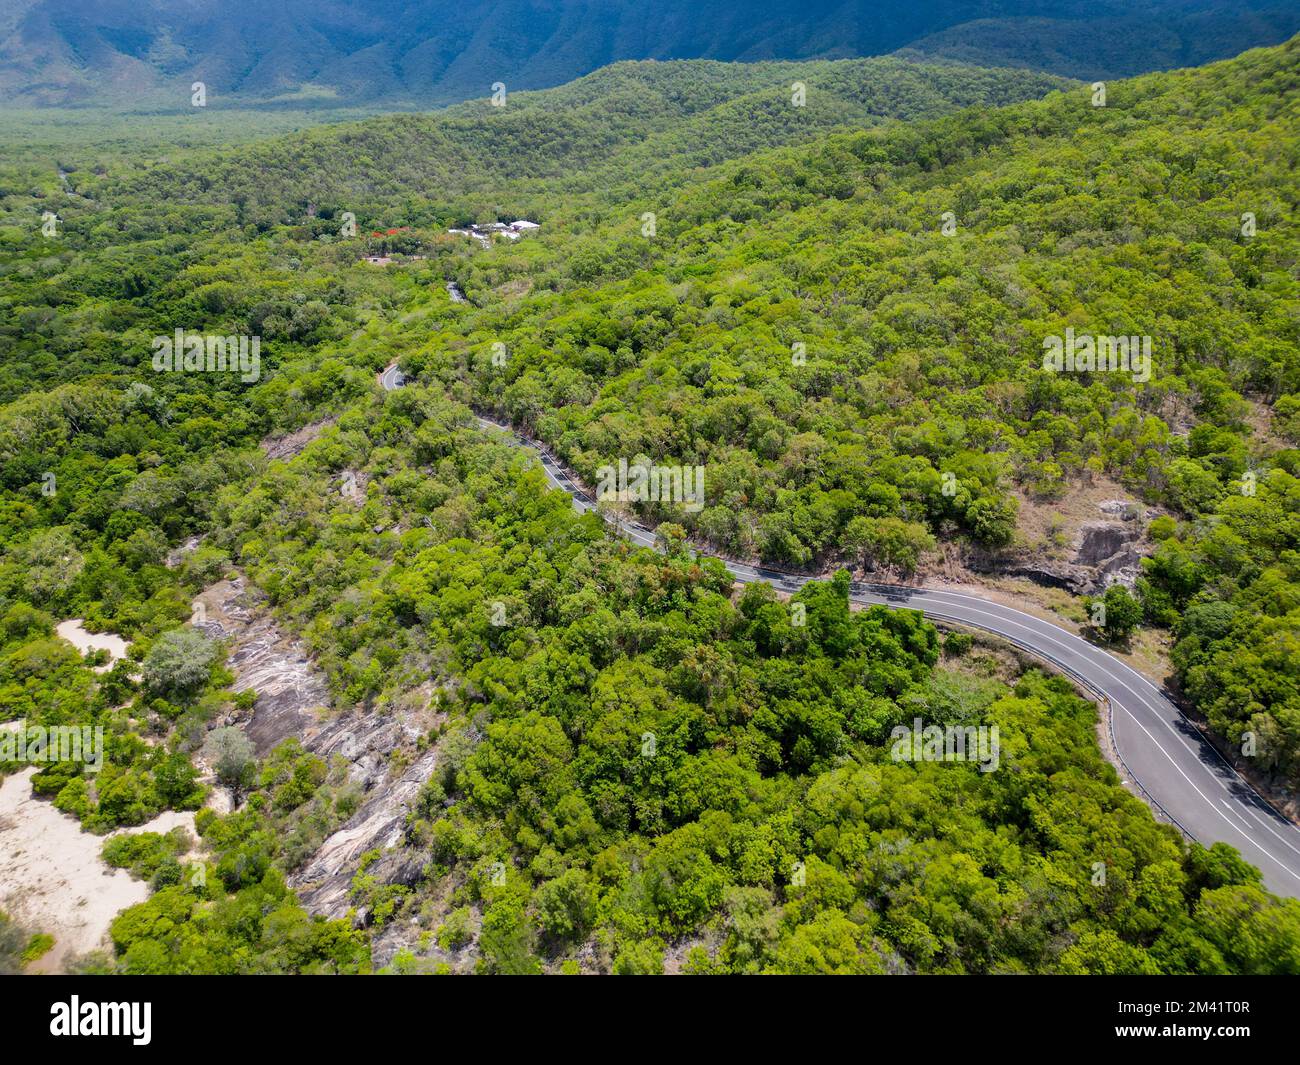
pixel 52 877
pixel 75 633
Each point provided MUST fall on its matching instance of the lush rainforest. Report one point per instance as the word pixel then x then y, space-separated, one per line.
pixel 835 303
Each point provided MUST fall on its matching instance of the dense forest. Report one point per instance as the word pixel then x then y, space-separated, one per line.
pixel 632 126
pixel 838 310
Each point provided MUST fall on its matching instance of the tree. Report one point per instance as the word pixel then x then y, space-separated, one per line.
pixel 993 521
pixel 828 944
pixel 644 958
pixel 1258 933
pixel 174 780
pixel 180 662
pixel 52 564
pixel 230 753
pixel 565 906
pixel 506 939
pixel 1192 488
pixel 671 539
pixel 1116 614
pixel 13 941
pixel 888 542
pixel 1286 417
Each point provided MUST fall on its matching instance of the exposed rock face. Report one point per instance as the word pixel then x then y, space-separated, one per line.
pixel 1105 553
pixel 277 667
pixel 293 700
pixel 1122 509
pixel 1110 549
pixel 323 884
pixel 352 485
pixel 286 447
pixel 1101 540
pixel 1050 573
pixel 179 554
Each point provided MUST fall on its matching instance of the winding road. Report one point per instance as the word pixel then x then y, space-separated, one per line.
pixel 1174 768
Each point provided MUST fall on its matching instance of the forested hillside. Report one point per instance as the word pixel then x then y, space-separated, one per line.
pixel 840 316
pixel 632 126
pixel 922 351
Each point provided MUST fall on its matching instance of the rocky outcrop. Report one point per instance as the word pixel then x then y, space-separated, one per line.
pixel 1105 552
pixel 352 485
pixel 286 447
pixel 380 824
pixel 1100 541
pixel 1110 550
pixel 292 699
pixel 1050 573
pixel 180 553
pixel 1122 509
pixel 290 690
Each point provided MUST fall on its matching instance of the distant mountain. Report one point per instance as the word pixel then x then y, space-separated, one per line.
pixel 1143 37
pixel 146 53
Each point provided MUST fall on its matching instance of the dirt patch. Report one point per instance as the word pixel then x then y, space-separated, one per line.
pixel 75 633
pixel 53 879
pixel 1052 527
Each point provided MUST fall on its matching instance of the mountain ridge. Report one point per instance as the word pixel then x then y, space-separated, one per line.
pixel 421 53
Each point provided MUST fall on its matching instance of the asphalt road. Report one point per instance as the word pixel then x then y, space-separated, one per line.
pixel 1174 768
pixel 390 377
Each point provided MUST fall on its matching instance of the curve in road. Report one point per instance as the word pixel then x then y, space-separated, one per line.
pixel 1173 766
